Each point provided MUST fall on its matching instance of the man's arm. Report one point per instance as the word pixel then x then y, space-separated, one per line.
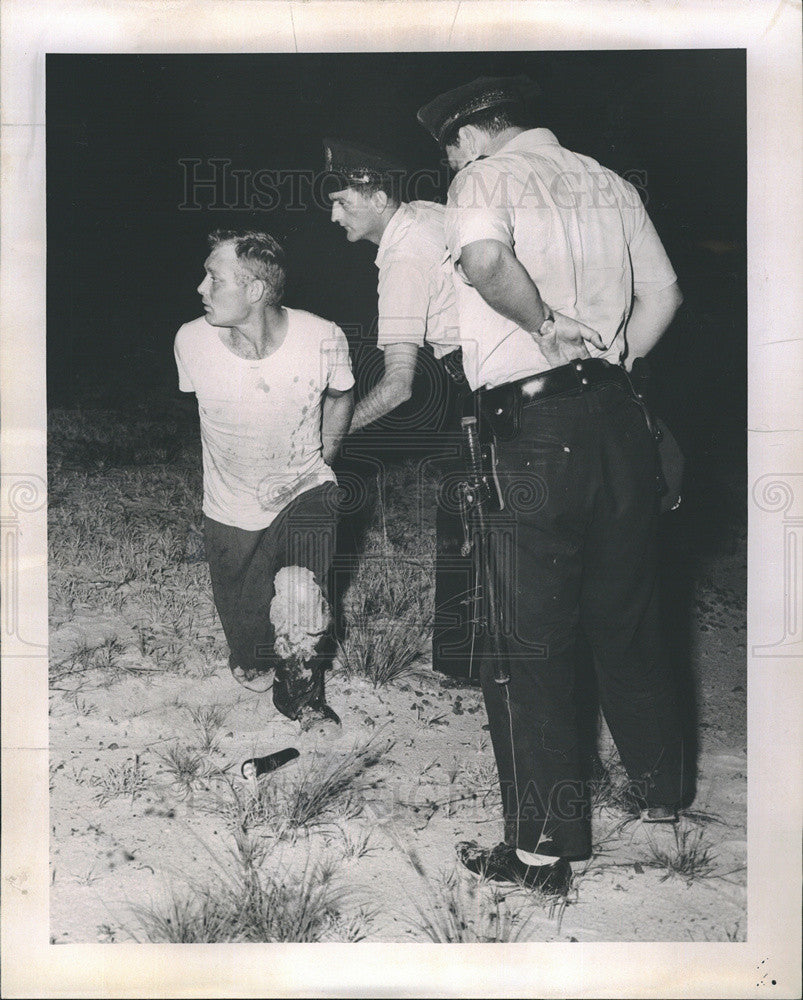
pixel 650 319
pixel 502 280
pixel 393 389
pixel 338 406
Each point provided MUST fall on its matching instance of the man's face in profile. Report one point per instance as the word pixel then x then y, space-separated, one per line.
pixel 357 214
pixel 224 289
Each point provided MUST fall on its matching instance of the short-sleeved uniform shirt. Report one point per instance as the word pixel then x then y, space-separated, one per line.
pixel 579 229
pixel 416 294
pixel 261 419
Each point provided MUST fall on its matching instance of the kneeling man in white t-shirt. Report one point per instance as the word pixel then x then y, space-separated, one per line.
pixel 274 388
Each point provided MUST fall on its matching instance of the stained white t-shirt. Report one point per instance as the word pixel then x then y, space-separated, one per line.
pixel 261 419
pixel 581 232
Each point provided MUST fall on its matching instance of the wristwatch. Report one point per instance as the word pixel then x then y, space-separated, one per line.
pixel 549 318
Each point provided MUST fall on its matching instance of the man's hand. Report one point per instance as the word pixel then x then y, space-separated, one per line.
pixel 563 339
pixel 502 280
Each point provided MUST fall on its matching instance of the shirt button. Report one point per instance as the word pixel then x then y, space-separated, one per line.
pixel 584 381
pixel 579 366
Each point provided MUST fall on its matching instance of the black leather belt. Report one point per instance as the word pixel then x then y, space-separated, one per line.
pixel 502 405
pixel 585 374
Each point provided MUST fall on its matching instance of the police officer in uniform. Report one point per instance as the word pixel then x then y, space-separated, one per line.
pixel 416 311
pixel 561 281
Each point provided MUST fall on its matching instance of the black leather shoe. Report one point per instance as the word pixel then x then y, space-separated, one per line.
pixel 502 864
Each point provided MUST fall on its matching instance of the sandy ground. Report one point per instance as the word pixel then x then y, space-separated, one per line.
pixel 355 839
pixel 131 829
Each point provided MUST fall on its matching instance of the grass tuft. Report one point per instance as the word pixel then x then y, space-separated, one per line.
pixel 128 778
pixel 262 907
pixel 387 614
pixel 690 857
pixel 250 903
pixel 193 918
pixel 453 910
pixel 208 721
pixel 612 788
pixel 186 766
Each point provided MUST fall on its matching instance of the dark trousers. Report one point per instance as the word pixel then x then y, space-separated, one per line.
pixel 243 566
pixel 454 639
pixel 575 549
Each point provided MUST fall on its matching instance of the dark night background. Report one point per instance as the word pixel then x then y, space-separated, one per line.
pixel 124 258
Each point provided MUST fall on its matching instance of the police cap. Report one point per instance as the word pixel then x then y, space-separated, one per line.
pixel 455 107
pixel 359 164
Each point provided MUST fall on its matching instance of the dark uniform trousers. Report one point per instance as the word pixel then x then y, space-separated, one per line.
pixel 575 548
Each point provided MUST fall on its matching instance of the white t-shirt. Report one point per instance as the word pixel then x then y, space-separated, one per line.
pixel 261 419
pixel 579 229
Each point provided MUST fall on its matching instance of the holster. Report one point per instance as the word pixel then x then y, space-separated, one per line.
pixel 669 457
pixel 500 411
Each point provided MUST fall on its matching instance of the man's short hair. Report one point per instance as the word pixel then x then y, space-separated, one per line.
pixel 491 120
pixel 259 255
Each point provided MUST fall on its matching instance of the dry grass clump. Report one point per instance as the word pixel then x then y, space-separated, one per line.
pixel 611 788
pixel 186 767
pixel 252 905
pixel 690 856
pixel 450 909
pixel 126 779
pixel 458 911
pixel 208 721
pixel 257 898
pixel 387 613
pixel 389 606
pixel 86 657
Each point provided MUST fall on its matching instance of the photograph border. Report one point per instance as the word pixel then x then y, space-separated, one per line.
pixel 769 961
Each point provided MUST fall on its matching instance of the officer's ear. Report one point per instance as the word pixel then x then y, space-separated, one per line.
pixel 469 138
pixel 379 200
